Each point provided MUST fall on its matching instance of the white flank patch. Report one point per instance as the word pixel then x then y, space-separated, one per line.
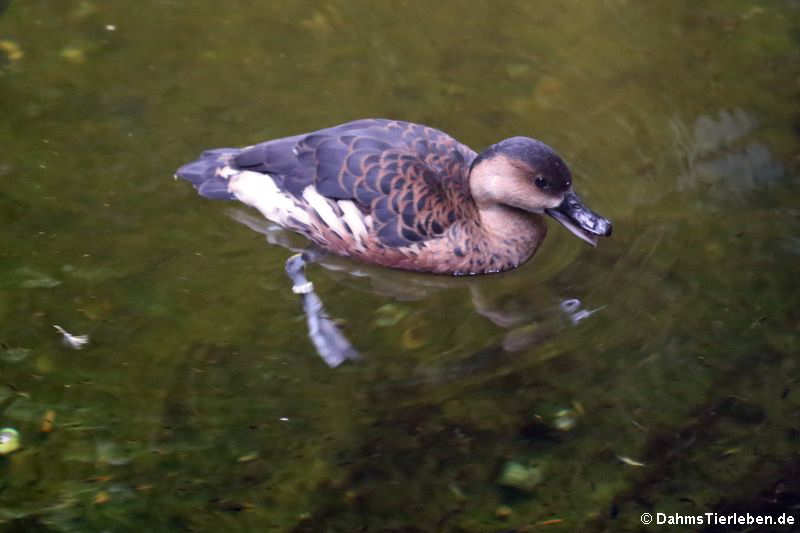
pixel 320 204
pixel 226 172
pixel 354 219
pixel 259 190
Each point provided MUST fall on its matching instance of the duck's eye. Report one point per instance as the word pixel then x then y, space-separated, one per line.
pixel 540 182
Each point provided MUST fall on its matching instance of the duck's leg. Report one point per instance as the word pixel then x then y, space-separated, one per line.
pixel 331 344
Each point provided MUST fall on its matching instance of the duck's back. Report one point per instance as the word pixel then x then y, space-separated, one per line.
pixel 362 188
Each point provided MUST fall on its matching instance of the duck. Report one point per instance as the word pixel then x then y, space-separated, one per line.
pixel 404 195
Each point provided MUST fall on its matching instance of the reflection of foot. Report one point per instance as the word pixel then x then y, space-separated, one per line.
pixel 331 344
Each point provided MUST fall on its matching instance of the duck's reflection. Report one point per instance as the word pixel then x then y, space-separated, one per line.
pixel 332 345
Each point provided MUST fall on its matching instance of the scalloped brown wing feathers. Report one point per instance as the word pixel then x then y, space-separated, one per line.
pixel 412 179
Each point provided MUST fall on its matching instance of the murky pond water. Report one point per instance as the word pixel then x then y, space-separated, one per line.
pixel 656 373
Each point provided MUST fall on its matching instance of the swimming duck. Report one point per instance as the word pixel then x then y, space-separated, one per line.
pixel 404 195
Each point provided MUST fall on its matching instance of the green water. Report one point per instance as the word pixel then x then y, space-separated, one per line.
pixel 199 403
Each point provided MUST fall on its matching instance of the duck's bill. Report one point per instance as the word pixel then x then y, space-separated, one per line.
pixel 580 220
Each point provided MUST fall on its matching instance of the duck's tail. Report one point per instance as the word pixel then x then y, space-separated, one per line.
pixel 207 174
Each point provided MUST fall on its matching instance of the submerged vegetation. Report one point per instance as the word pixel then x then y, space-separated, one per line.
pixel 656 373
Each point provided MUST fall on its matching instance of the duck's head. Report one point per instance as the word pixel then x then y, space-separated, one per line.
pixel 526 174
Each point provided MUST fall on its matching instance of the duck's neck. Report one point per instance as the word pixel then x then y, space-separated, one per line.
pixel 512 234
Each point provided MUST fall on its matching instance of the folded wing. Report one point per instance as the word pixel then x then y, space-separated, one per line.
pixel 410 179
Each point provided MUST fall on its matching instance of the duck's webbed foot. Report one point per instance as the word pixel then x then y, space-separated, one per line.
pixel 331 344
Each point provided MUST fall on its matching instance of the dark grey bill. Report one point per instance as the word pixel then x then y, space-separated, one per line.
pixel 580 220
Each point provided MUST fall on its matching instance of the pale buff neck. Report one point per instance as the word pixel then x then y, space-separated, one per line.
pixel 497 185
pixel 510 228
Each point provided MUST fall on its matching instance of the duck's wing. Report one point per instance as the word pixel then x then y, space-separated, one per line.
pixel 411 179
